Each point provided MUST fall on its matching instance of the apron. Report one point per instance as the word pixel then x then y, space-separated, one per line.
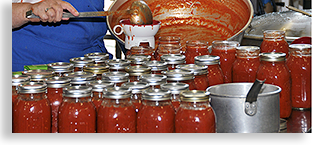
pixel 43 43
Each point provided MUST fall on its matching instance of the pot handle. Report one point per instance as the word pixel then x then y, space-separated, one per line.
pixel 251 98
pixel 121 30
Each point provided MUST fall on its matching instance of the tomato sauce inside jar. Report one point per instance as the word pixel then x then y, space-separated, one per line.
pixel 98 87
pixel 299 64
pixel 274 70
pixel 195 115
pixel 157 113
pixel 175 89
pixel 274 41
pixel 200 72
pixel 195 48
pixel 17 80
pixel 117 113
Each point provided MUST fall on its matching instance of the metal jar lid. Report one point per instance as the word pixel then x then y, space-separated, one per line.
pixel 301 47
pixel 153 79
pixel 137 70
pixel 117 63
pixel 61 67
pixel 99 85
pixel 96 68
pixel 173 58
pixel 57 82
pixel 97 56
pixel 137 87
pixel 179 75
pixel 156 95
pixel 117 92
pixel 197 69
pixel 194 96
pixel 207 60
pixel 79 77
pixel 156 65
pixel 32 87
pixel 39 74
pixel 19 79
pixel 81 61
pixel 175 88
pixel 77 91
pixel 115 77
pixel 272 56
pixel 138 58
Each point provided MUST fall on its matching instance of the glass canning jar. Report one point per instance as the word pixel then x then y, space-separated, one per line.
pixel 31 110
pixel 167 49
pixel 96 69
pixel 175 89
pixel 299 64
pixel 173 60
pixel 181 76
pixel 200 72
pixel 154 80
pixel 141 50
pixel 98 57
pixel 118 78
pixel 274 41
pixel 215 74
pixel 77 113
pixel 98 87
pixel 55 87
pixel 79 62
pixel 195 115
pixel 60 68
pixel 166 40
pixel 117 113
pixel 157 113
pixel 136 71
pixel 117 64
pixel 274 71
pixel 18 79
pixel 156 66
pixel 195 48
pixel 137 89
pixel 80 78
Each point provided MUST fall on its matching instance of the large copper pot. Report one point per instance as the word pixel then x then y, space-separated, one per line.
pixel 193 19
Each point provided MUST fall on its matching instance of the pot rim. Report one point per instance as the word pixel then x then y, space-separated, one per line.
pixel 213 94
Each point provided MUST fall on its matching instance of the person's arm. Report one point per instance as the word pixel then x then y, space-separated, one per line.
pixel 47 10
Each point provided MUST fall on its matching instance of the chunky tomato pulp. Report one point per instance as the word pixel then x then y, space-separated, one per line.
pixel 245 69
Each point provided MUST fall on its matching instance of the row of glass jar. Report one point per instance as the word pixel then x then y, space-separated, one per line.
pixel 133 107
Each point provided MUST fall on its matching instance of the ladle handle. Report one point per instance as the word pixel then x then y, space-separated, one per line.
pixel 251 98
pixel 298 10
pixel 30 14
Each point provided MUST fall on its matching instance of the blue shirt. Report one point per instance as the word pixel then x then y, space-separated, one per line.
pixel 43 43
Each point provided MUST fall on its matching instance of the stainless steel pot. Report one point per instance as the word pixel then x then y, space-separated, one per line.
pixel 193 19
pixel 228 102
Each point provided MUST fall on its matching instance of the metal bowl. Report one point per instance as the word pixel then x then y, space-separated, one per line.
pixel 193 19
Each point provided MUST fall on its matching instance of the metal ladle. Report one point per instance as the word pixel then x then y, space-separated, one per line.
pixel 140 14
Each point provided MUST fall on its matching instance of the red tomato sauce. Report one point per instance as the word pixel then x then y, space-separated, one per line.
pixel 156 119
pixel 32 116
pixel 195 121
pixel 215 75
pixel 280 45
pixel 192 51
pixel 77 117
pixel 97 99
pixel 116 120
pixel 201 82
pixel 245 69
pixel 55 98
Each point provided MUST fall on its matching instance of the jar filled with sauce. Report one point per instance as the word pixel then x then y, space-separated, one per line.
pixel 274 41
pixel 98 87
pixel 117 65
pixel 215 74
pixel 77 113
pixel 299 64
pixel 166 40
pixel 96 69
pixel 32 110
pixel 226 51
pixel 39 75
pixel 138 59
pixel 195 48
pixel 60 68
pixel 136 71
pixel 156 66
pixel 274 71
pixel 118 78
pixel 141 50
pixel 195 115
pixel 173 60
pixel 80 78
pixel 18 79
pixel 175 89
pixel 117 113
pixel 79 62
pixel 98 57
pixel 167 49
pixel 181 76
pixel 246 64
pixel 55 87
pixel 137 89
pixel 299 121
pixel 157 113
pixel 153 80
pixel 200 72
